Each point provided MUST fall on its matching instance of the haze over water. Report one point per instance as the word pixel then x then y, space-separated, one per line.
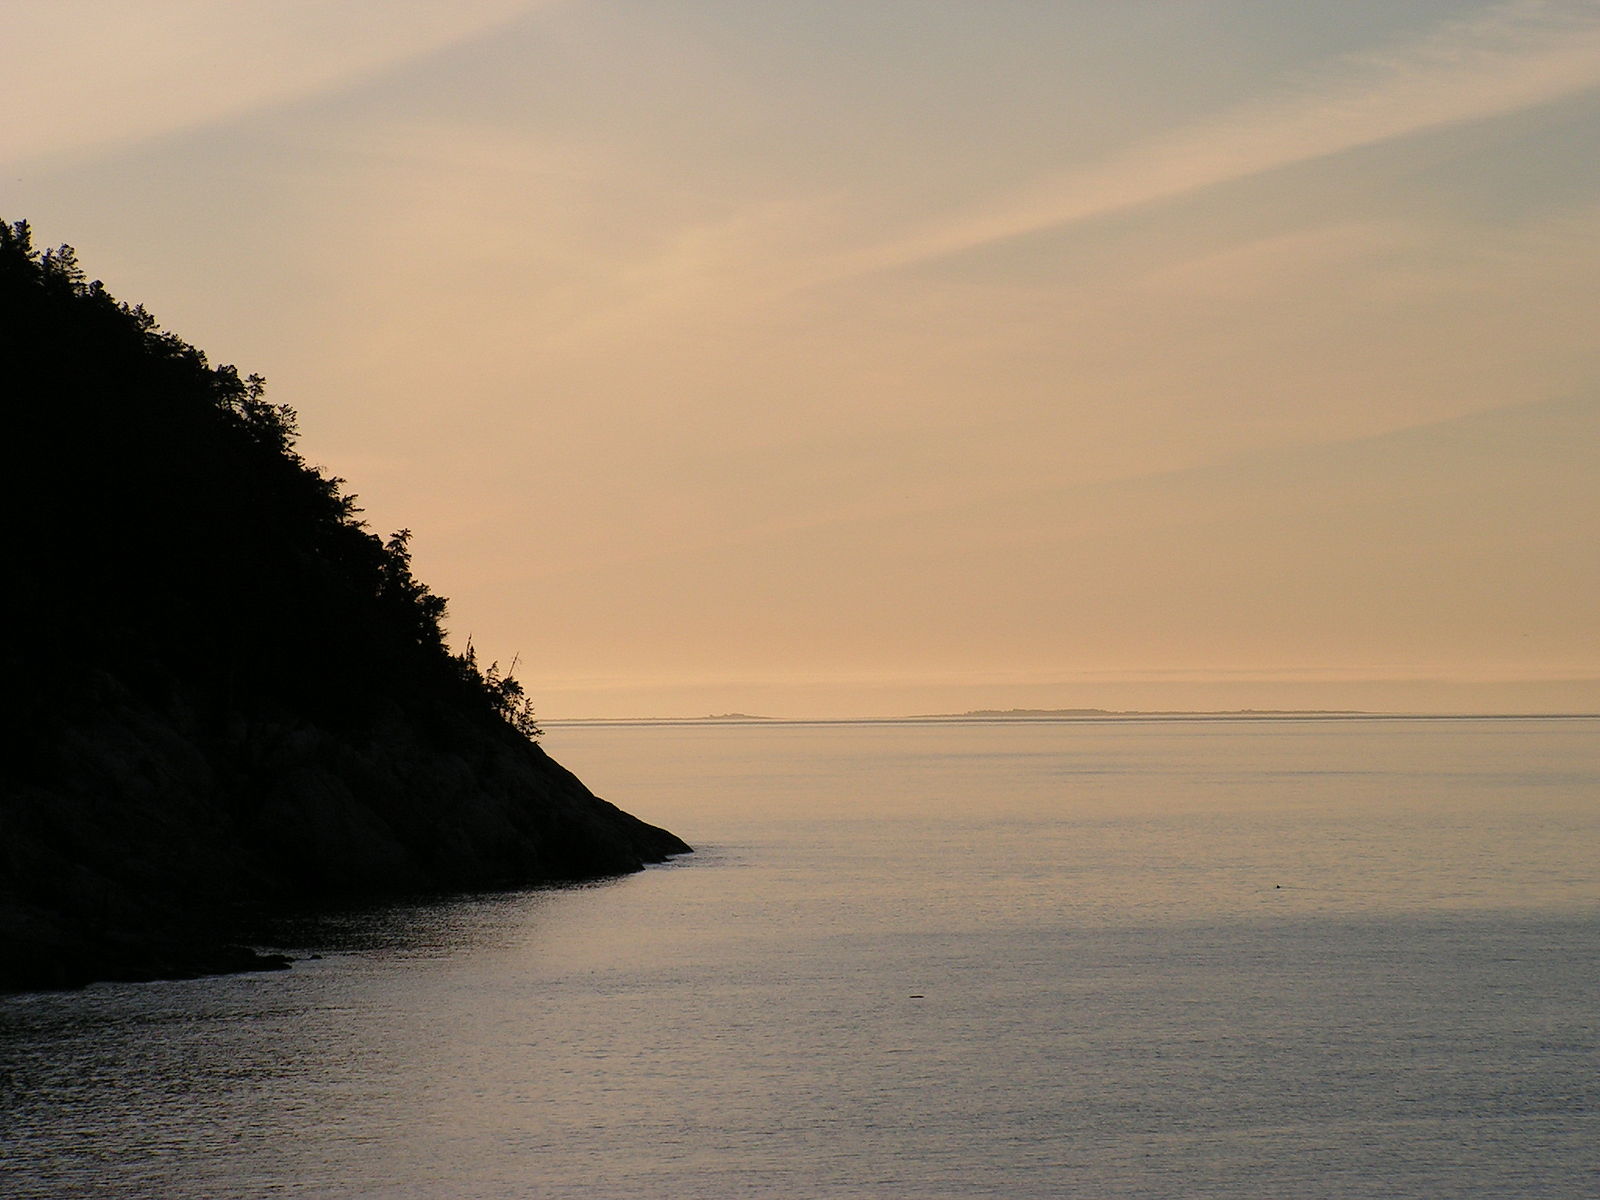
pixel 1157 958
pixel 865 359
pixel 882 358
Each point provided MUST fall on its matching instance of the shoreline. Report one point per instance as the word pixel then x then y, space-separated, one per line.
pixel 1065 718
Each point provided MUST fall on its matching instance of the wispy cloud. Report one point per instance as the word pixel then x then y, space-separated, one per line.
pixel 92 73
pixel 1512 57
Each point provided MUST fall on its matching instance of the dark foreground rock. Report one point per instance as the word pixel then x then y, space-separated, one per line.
pixel 227 693
pixel 141 842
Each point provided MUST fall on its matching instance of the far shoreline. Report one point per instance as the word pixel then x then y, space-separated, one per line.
pixel 1066 716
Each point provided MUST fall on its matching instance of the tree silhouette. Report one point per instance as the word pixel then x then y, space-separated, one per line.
pixel 168 525
pixel 229 693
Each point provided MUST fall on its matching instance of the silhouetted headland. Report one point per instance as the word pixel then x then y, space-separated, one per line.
pixel 230 695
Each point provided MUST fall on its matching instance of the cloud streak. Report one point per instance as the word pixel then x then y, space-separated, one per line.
pixel 1513 57
pixel 96 73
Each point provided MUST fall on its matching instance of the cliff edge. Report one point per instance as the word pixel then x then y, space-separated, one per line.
pixel 230 695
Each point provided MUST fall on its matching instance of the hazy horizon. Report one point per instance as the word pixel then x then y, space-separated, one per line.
pixel 872 360
pixel 1069 715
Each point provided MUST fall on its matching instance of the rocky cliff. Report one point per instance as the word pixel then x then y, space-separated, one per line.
pixel 229 694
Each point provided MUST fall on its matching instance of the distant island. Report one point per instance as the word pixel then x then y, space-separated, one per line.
pixel 710 719
pixel 977 714
pixel 229 694
pixel 1111 712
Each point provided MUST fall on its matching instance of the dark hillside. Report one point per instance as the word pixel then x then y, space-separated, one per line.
pixel 226 692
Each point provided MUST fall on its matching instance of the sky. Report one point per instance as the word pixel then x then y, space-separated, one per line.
pixel 915 356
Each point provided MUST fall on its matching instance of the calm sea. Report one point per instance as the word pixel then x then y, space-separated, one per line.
pixel 1155 958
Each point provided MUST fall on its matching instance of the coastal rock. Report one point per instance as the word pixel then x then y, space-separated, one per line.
pixel 230 694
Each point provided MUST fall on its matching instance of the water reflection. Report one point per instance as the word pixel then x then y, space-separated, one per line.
pixel 1115 999
pixel 429 927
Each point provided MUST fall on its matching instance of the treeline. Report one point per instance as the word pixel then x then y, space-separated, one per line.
pixel 226 694
pixel 164 528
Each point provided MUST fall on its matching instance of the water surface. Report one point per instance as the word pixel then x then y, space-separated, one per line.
pixel 1089 958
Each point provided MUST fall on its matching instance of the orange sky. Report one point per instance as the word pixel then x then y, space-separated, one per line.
pixel 841 359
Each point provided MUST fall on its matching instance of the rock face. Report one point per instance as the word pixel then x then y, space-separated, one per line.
pixel 231 695
pixel 140 839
